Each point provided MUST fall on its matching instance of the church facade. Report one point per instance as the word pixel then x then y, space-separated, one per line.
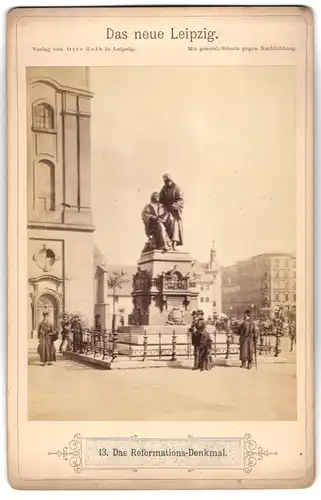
pixel 61 267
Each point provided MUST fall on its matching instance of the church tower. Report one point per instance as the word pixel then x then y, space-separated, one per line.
pixel 60 227
pixel 214 269
pixel 212 257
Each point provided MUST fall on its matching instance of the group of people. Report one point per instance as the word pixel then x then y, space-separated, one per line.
pixel 202 341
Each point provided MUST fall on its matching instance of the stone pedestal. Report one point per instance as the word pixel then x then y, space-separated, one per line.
pixel 164 296
pixel 164 289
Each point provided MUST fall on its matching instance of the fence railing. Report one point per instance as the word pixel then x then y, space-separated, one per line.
pixel 105 344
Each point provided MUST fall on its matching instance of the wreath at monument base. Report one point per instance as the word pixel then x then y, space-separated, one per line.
pixel 175 317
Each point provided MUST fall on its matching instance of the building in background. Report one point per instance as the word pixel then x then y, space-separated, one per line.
pixel 122 298
pixel 209 284
pixel 265 282
pixel 61 256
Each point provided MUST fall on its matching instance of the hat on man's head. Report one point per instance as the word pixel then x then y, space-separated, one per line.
pixel 248 312
pixel 45 313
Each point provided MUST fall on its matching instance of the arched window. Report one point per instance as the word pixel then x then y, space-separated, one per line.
pixel 45 185
pixel 43 116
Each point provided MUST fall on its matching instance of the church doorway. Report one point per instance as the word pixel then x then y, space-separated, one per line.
pixel 47 303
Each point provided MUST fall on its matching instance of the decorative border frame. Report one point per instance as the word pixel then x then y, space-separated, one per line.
pixel 252 453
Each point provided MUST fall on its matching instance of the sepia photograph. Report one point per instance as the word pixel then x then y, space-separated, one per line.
pixel 161 243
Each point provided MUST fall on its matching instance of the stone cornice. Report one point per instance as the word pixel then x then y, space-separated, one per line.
pixel 61 227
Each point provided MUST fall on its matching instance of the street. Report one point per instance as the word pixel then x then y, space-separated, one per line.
pixel 68 390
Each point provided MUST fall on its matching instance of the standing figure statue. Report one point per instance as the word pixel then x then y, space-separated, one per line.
pixel 171 197
pixel 154 217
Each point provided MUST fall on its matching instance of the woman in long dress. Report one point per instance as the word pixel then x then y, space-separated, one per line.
pixel 46 336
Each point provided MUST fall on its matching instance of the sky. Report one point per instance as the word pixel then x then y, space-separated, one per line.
pixel 227 137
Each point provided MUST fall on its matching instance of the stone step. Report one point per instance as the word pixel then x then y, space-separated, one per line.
pixel 124 362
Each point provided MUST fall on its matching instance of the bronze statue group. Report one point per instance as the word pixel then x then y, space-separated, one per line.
pixel 162 217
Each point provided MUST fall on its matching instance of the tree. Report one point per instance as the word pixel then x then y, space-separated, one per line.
pixel 115 281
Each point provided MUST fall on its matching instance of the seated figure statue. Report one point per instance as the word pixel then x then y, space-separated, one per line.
pixel 154 217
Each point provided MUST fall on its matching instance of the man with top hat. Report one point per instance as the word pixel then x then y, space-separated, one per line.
pixel 248 339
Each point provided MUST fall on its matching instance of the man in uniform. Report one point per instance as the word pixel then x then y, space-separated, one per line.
pixel 248 339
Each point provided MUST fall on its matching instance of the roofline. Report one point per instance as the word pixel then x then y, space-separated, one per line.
pixel 271 254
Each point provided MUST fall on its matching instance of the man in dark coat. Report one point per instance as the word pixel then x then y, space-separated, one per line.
pixel 195 339
pixel 46 335
pixel 77 334
pixel 171 197
pixel 65 334
pixel 248 339
pixel 205 346
pixel 98 325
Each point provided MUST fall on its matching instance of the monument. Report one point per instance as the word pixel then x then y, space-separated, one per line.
pixel 164 286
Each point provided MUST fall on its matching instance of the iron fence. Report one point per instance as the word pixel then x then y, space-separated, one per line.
pixel 100 344
pixel 106 345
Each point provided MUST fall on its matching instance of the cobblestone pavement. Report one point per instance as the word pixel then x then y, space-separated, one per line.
pixel 71 391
